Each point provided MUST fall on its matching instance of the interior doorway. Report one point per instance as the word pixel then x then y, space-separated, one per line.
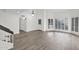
pixel 22 23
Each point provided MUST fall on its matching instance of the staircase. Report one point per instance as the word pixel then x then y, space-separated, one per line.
pixel 6 38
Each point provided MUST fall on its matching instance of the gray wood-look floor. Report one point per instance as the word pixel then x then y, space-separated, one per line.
pixel 39 40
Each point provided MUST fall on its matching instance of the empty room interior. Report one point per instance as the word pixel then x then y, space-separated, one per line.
pixel 39 29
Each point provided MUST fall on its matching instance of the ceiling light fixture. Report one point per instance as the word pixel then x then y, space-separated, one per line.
pixel 33 13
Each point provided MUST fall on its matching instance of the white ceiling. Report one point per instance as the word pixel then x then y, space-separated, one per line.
pixel 17 11
pixel 62 10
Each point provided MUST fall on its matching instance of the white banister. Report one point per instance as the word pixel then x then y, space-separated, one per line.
pixel 6 40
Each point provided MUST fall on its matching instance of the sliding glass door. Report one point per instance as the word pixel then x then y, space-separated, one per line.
pixel 60 24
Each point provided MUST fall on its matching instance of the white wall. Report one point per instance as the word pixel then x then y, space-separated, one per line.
pixel 31 22
pixel 10 21
pixel 40 15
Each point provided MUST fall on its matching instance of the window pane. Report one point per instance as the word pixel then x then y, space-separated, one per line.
pixel 48 23
pixel 51 25
pixel 72 24
pixel 62 23
pixel 58 25
pixel 39 21
pixel 51 21
pixel 76 24
pixel 55 23
pixel 66 24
